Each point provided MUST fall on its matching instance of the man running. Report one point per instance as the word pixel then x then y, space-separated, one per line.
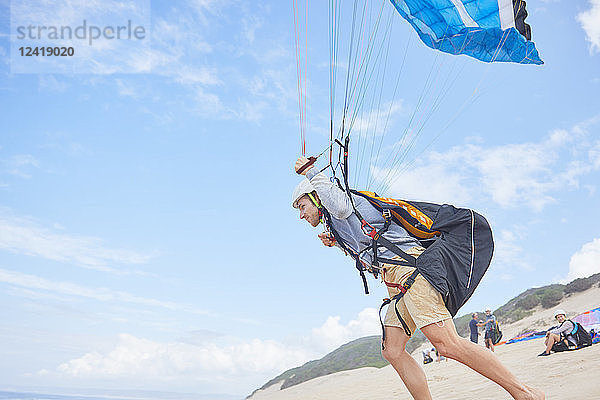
pixel 422 307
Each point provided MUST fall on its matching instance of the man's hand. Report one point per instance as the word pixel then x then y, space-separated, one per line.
pixel 300 162
pixel 327 239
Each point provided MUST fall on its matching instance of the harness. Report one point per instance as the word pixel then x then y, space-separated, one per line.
pixel 404 214
pixel 377 241
pixel 377 238
pixel 581 336
pixel 403 289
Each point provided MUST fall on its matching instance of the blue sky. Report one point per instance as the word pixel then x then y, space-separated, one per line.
pixel 146 235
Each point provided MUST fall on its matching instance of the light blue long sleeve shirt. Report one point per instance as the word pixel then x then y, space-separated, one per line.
pixel 346 223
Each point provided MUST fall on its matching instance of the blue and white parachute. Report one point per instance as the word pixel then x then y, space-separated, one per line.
pixel 369 62
pixel 488 30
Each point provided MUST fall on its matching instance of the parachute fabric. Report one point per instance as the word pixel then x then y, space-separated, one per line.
pixel 589 319
pixel 488 30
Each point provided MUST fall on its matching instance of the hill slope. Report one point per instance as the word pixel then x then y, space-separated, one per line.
pixel 363 352
pixel 366 352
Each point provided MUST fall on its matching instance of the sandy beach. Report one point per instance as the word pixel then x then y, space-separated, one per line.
pixel 569 375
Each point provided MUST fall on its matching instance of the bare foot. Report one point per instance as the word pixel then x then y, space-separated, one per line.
pixel 534 394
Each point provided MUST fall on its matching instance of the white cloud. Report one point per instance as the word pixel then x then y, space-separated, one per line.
pixel 66 288
pixel 139 359
pixel 20 165
pixel 145 359
pixel 511 175
pixel 190 47
pixel 594 155
pixel 434 182
pixel 377 121
pixel 24 236
pixel 268 89
pixel 185 46
pixel 202 8
pixel 252 111
pixel 127 90
pixel 144 61
pixel 586 261
pixel 192 75
pixel 102 55
pixel 509 255
pixel 250 25
pixel 514 174
pixel 234 368
pixel 332 334
pixel 51 83
pixel 590 22
pixel 184 55
pixel 210 104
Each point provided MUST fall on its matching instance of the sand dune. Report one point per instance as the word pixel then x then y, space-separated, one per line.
pixel 570 375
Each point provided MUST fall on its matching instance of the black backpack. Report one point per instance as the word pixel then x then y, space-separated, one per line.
pixel 459 244
pixel 582 337
pixel 497 334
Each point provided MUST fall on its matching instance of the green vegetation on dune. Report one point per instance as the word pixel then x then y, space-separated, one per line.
pixel 366 351
pixel 544 297
pixel 363 352
pixel 581 284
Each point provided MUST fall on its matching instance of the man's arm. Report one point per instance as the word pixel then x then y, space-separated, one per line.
pixel 327 239
pixel 565 328
pixel 332 197
pixel 491 318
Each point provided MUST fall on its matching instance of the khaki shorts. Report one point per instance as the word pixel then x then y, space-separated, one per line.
pixel 421 305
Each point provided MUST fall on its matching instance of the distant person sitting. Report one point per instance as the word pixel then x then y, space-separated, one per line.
pixel 490 329
pixel 473 326
pixel 560 338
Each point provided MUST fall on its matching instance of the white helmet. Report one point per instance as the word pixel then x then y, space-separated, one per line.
pixel 559 312
pixel 488 309
pixel 304 187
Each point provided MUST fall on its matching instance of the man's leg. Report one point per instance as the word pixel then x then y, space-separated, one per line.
pixel 444 337
pixel 490 344
pixel 551 339
pixel 407 367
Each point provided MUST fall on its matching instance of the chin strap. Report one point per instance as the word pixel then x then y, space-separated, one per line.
pixel 314 200
pixel 316 203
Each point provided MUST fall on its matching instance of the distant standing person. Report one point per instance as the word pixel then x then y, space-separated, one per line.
pixel 490 332
pixel 473 325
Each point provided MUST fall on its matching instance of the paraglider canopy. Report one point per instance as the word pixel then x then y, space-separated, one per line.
pixel 365 48
pixel 488 30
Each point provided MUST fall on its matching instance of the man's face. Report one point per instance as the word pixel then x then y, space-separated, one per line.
pixel 475 316
pixel 488 312
pixel 561 318
pixel 308 211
